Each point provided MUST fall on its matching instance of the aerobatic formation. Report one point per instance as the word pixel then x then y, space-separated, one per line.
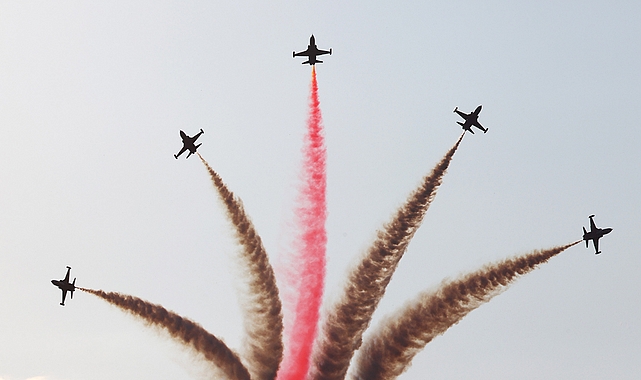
pixel 286 335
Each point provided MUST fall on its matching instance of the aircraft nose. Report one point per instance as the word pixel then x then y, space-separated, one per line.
pixel 53 282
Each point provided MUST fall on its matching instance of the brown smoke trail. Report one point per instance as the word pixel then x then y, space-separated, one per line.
pixel 389 352
pixel 187 332
pixel 344 325
pixel 263 317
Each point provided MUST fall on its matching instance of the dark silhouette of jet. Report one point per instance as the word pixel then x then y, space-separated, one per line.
pixel 471 119
pixel 188 143
pixel 311 52
pixel 595 234
pixel 65 286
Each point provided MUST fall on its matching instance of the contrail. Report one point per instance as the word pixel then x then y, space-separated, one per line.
pixel 187 332
pixel 263 318
pixel 389 352
pixel 307 275
pixel 345 323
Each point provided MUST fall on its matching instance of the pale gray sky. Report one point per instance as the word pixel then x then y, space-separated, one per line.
pixel 92 97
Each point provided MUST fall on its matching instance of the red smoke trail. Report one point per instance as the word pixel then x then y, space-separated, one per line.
pixel 309 260
pixel 389 352
pixel 187 332
pixel 261 306
pixel 348 319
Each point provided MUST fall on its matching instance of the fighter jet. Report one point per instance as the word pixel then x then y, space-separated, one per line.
pixel 311 52
pixel 188 143
pixel 595 234
pixel 471 119
pixel 65 286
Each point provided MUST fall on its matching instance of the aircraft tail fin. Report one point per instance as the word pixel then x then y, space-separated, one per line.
pixel 460 123
pixel 198 146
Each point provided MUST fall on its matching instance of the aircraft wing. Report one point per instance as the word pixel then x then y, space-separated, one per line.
pixel 461 114
pixel 476 123
pixel 302 53
pixel 64 295
pixel 592 225
pixel 182 151
pixel 67 275
pixel 321 52
pixel 596 245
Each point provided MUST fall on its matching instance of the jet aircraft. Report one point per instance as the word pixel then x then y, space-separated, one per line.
pixel 471 119
pixel 65 286
pixel 311 52
pixel 595 234
pixel 188 143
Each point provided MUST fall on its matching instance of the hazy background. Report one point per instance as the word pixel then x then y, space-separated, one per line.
pixel 93 94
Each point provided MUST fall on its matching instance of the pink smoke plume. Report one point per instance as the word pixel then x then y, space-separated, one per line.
pixel 307 273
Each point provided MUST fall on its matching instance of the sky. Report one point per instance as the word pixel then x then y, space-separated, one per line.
pixel 93 95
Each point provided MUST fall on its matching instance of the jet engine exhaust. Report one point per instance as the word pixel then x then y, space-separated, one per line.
pixel 347 320
pixel 185 331
pixel 389 352
pixel 262 306
pixel 307 274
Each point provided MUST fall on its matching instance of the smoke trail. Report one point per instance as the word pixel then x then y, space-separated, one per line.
pixel 346 322
pixel 187 332
pixel 308 276
pixel 263 318
pixel 389 352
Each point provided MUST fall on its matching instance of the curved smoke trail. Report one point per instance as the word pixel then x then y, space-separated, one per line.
pixel 346 322
pixel 308 273
pixel 185 331
pixel 389 352
pixel 263 318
